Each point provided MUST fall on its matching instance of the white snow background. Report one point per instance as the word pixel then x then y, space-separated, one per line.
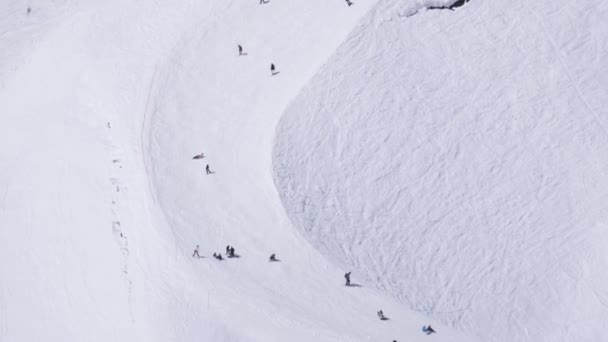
pixel 455 161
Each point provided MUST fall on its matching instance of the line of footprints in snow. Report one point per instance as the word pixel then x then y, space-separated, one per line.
pixel 119 236
pixel 230 253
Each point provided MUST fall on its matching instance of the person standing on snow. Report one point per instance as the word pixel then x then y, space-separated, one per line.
pixel 195 254
pixel 347 277
pixel 240 50
pixel 272 69
pixel 208 169
pixel 348 2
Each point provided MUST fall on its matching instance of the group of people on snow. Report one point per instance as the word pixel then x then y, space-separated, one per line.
pixel 230 253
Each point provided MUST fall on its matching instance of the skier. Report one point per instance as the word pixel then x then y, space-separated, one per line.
pixel 272 69
pixel 381 315
pixel 348 2
pixel 195 254
pixel 208 169
pixel 273 257
pixel 240 50
pixel 231 252
pixel 428 330
pixel 347 277
pixel 227 249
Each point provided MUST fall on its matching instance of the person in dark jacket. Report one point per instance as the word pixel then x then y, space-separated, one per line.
pixel 428 330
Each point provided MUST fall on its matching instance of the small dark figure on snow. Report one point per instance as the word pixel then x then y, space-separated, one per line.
pixel 381 315
pixel 428 330
pixel 227 249
pixel 218 256
pixel 264 1
pixel 273 69
pixel 348 2
pixel 240 50
pixel 347 277
pixel 199 156
pixel 29 10
pixel 273 257
pixel 195 254
pixel 208 169
pixel 231 252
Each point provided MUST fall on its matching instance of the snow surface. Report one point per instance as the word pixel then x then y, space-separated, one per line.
pixel 453 160
pixel 462 165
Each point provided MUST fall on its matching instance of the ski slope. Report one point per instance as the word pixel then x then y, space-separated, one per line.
pixel 462 165
pixel 101 205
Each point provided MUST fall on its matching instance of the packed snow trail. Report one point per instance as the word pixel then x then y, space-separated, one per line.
pixel 103 105
pixel 466 150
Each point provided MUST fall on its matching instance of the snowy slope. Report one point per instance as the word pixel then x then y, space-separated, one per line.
pixel 458 159
pixel 103 106
pixel 233 122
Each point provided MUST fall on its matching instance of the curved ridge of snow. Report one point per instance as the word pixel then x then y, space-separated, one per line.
pixel 462 166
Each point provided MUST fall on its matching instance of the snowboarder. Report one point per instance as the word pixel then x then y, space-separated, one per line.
pixel 240 50
pixel 348 2
pixel 231 252
pixel 381 315
pixel 347 277
pixel 273 257
pixel 208 169
pixel 428 330
pixel 195 254
pixel 272 69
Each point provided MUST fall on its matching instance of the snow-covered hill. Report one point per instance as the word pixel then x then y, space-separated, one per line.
pixel 462 165
pixel 104 103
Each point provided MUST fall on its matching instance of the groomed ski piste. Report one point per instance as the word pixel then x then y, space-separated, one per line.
pixel 455 160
